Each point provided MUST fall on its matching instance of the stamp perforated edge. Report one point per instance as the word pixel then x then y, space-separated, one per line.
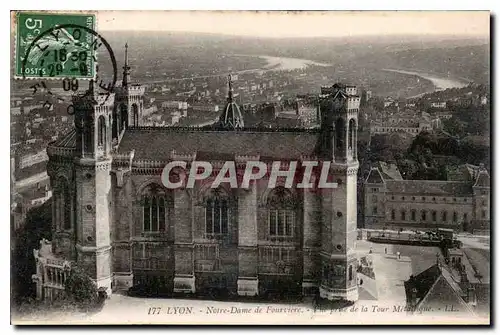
pixel 14 26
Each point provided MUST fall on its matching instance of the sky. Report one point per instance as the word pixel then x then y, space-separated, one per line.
pixel 302 24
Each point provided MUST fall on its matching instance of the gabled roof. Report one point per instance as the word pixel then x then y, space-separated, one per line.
pixel 483 179
pixel 389 171
pixel 374 177
pixel 67 141
pixel 433 284
pixel 422 283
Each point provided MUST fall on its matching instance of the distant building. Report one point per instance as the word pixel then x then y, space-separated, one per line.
pixel 438 104
pixel 443 115
pixel 304 111
pixel 369 95
pixel 206 107
pixel 393 202
pixel 411 123
pixel 390 102
pixel 32 159
pixel 484 100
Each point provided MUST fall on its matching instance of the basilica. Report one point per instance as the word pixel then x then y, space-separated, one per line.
pixel 114 218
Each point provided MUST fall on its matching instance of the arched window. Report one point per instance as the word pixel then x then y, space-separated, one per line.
pixel 101 126
pixel 393 215
pixel 403 215
pixel 424 215
pixel 63 204
pixel 340 133
pixel 444 216
pixel 116 122
pixel 110 125
pixel 352 135
pixel 413 215
pixel 434 216
pixel 350 272
pixel 123 118
pixel 455 216
pixel 154 206
pixel 217 214
pixel 281 214
pixel 135 113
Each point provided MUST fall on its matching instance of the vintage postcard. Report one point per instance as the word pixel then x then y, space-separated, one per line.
pixel 197 167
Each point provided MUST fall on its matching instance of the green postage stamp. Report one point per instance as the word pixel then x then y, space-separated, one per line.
pixel 55 45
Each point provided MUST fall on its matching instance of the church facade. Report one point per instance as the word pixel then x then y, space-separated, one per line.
pixel 113 216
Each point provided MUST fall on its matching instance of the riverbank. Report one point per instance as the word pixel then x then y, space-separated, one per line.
pixel 440 83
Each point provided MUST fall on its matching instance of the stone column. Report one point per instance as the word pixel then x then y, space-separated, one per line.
pixel 311 223
pixel 184 278
pixel 248 282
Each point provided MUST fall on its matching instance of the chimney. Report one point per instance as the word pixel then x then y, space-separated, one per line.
pixel 463 275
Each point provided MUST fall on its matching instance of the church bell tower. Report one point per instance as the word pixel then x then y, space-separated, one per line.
pixel 340 106
pixel 93 122
pixel 129 108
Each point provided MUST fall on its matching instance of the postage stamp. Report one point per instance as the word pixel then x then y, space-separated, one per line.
pixel 55 45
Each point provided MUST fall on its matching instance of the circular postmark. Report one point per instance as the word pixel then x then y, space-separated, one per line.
pixel 59 53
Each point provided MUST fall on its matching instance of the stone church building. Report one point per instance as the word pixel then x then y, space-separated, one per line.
pixel 115 219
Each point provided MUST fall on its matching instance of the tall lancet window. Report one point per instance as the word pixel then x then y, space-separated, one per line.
pixel 352 137
pixel 340 133
pixel 115 122
pixel 63 204
pixel 101 126
pixel 281 214
pixel 154 209
pixel 123 118
pixel 217 214
pixel 135 113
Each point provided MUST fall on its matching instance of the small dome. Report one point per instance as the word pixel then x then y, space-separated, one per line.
pixel 231 116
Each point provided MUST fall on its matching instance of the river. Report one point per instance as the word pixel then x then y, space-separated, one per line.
pixel 440 83
pixel 283 63
pixel 288 64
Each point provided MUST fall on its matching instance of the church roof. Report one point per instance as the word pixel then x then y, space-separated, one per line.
pixel 66 141
pixel 429 187
pixel 433 284
pixel 158 143
pixel 231 116
pixel 389 171
pixel 483 179
pixel 374 177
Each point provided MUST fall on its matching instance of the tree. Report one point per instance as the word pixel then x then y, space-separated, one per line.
pixel 37 227
pixel 408 168
pixel 80 288
pixel 454 127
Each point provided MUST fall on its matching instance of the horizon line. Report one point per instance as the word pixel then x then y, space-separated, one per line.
pixel 454 36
